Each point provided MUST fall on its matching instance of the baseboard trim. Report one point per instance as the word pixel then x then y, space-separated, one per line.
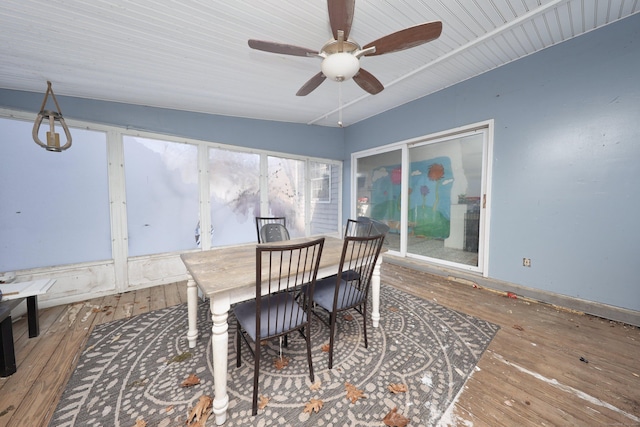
pixel 594 308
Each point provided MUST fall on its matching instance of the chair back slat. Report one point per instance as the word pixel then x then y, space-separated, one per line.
pixel 282 271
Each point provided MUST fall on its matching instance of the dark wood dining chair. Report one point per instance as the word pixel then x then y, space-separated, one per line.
pixel 274 232
pixel 377 226
pixel 343 291
pixel 356 228
pixel 263 220
pixel 280 308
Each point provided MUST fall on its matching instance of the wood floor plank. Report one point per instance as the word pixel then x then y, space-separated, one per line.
pixel 157 298
pixel 124 308
pixel 172 294
pixel 182 291
pixel 142 301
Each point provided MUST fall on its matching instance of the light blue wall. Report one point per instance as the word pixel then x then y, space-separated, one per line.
pixel 566 172
pixel 304 140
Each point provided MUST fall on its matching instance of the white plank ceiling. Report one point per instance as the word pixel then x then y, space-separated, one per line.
pixel 193 54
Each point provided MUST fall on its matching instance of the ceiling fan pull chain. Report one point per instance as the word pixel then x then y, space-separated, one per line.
pixel 340 104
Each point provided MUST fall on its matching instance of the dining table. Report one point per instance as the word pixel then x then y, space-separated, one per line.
pixel 226 275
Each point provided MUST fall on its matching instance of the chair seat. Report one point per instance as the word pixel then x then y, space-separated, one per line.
pixel 324 292
pixel 276 317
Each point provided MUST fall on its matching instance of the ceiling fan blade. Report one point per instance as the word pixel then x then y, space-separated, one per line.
pixel 341 16
pixel 310 85
pixel 285 49
pixel 368 82
pixel 405 39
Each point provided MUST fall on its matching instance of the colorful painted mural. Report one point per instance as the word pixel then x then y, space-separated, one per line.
pixel 429 197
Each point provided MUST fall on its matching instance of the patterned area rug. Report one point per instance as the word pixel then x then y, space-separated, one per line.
pixel 132 369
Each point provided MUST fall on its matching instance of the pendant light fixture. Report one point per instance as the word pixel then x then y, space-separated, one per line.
pixel 53 138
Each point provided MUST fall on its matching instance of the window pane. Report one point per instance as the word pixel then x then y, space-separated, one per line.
pixel 234 184
pixel 378 191
pixel 285 179
pixel 55 206
pixel 162 195
pixel 445 185
pixel 324 204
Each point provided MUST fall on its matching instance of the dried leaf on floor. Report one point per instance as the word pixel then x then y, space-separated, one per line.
pixel 313 405
pixel 512 295
pixel 116 338
pixel 315 386
pixel 347 317
pixel 326 348
pixel 353 393
pixel 518 327
pixel 140 423
pixel 200 413
pixel 190 381
pixel 281 362
pixel 395 419
pixel 394 309
pixel 397 388
pixel 262 402
pixel 168 408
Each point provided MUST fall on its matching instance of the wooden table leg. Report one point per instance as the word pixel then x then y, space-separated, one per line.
pixel 192 308
pixel 220 306
pixel 375 293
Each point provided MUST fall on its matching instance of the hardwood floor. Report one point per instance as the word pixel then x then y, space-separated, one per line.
pixel 531 374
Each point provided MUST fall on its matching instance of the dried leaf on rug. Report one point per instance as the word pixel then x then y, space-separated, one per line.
pixel 262 402
pixel 200 413
pixel 395 419
pixel 179 358
pixel 397 388
pixel 315 386
pixel 314 405
pixel 190 381
pixel 281 362
pixel 353 393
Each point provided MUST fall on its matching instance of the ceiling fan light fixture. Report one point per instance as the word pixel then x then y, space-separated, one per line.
pixel 340 66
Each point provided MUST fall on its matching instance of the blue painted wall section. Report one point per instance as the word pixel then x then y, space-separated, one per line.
pixel 566 165
pixel 316 141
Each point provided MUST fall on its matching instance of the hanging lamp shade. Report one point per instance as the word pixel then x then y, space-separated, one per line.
pixel 53 138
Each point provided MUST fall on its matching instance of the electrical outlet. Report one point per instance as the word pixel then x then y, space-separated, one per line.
pixel 526 262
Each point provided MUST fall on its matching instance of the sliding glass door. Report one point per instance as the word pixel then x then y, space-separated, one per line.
pixel 432 193
pixel 378 190
pixel 445 192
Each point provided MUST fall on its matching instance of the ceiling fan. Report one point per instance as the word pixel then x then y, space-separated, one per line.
pixel 341 56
